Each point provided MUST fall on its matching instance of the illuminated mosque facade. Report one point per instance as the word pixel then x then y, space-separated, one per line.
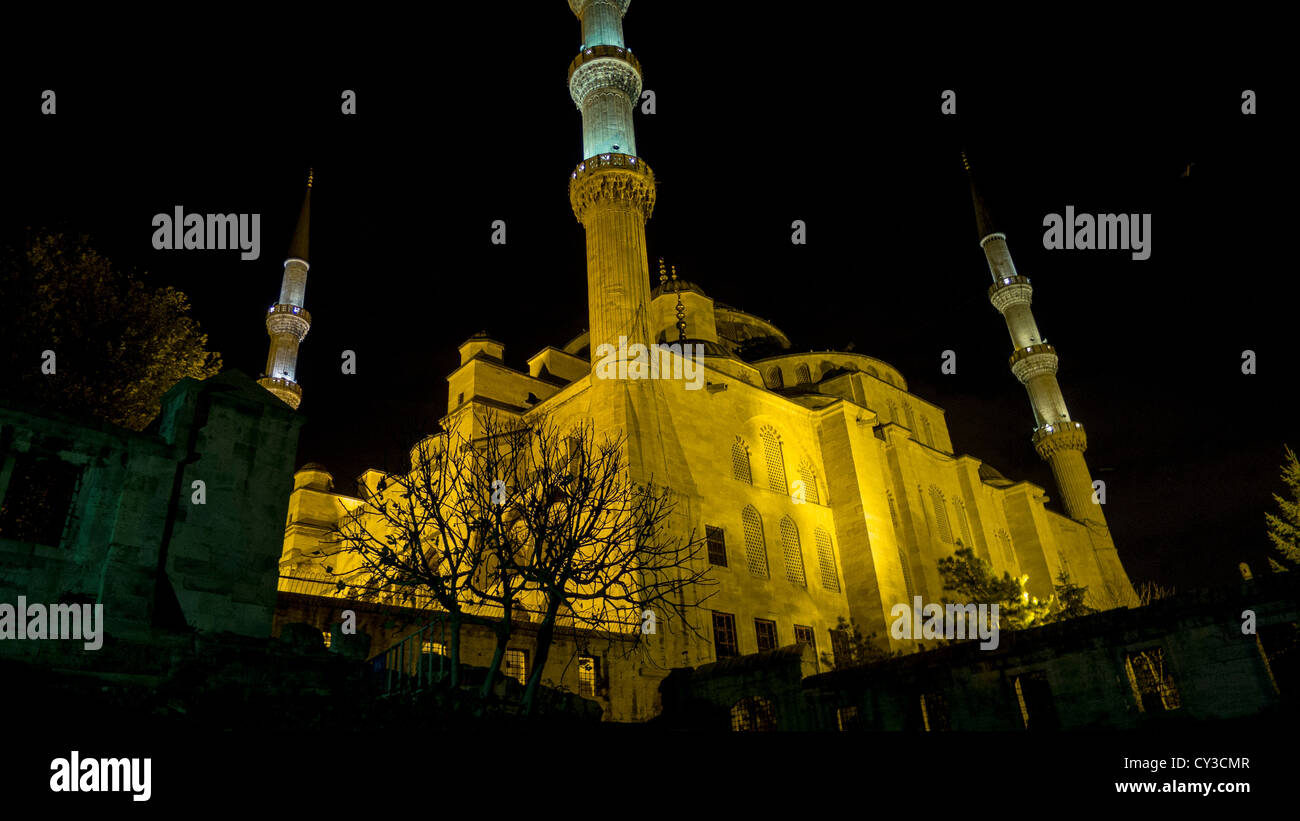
pixel 824 487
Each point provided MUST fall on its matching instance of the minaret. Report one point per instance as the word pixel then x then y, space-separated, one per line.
pixel 1059 440
pixel 287 321
pixel 612 191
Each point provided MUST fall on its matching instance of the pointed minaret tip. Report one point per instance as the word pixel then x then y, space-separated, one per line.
pixel 983 220
pixel 298 248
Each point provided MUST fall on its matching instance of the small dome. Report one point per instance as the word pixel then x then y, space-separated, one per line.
pixel 313 475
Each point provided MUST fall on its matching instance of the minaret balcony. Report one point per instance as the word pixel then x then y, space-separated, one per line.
pixel 1032 360
pixel 1008 291
pixel 604 67
pixel 597 52
pixel 612 177
pixel 283 388
pixel 1058 436
pixel 284 318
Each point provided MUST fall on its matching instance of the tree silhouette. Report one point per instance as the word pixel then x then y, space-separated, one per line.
pixel 118 345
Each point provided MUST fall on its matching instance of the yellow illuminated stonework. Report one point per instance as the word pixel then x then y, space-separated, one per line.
pixel 828 489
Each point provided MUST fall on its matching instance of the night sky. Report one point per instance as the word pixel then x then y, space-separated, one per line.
pixel 759 123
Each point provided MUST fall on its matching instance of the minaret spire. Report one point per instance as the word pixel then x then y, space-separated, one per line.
pixel 287 321
pixel 1059 440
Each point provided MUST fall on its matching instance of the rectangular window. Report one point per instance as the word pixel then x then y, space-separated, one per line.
pixel 717 545
pixel 848 718
pixel 765 629
pixel 1152 682
pixel 805 635
pixel 1037 710
pixel 38 505
pixel 589 675
pixel 433 648
pixel 724 635
pixel 515 665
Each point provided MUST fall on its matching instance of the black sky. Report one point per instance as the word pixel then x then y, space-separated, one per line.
pixel 464 119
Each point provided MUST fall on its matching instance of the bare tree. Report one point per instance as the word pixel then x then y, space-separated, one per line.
pixel 595 547
pixel 525 518
pixel 424 539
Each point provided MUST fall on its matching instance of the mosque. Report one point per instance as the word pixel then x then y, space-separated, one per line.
pixel 824 486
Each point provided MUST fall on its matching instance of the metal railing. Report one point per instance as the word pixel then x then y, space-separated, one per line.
pixel 408 668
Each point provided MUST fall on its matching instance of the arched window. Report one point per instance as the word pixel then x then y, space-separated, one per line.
pixel 793 553
pixel 911 420
pixel 965 525
pixel 809 481
pixel 872 370
pixel 902 553
pixel 755 547
pixel 774 379
pixel 826 560
pixel 1008 551
pixel 753 713
pixel 740 461
pixel 893 412
pixel 941 514
pixel 774 459
pixel 927 433
pixel 802 376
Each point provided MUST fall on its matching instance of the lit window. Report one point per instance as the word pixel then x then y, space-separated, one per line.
pixel 826 560
pixel 325 637
pixel 1152 682
pixel 775 461
pixel 516 665
pixel 793 552
pixel 809 481
pixel 740 461
pixel 753 713
pixel 941 514
pixel 588 675
pixel 755 547
pixel 433 648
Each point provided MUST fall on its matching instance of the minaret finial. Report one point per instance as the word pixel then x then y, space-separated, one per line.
pixel 681 309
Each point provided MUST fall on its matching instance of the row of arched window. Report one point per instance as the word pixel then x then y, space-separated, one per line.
pixel 774 462
pixel 908 419
pixel 774 378
pixel 791 550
